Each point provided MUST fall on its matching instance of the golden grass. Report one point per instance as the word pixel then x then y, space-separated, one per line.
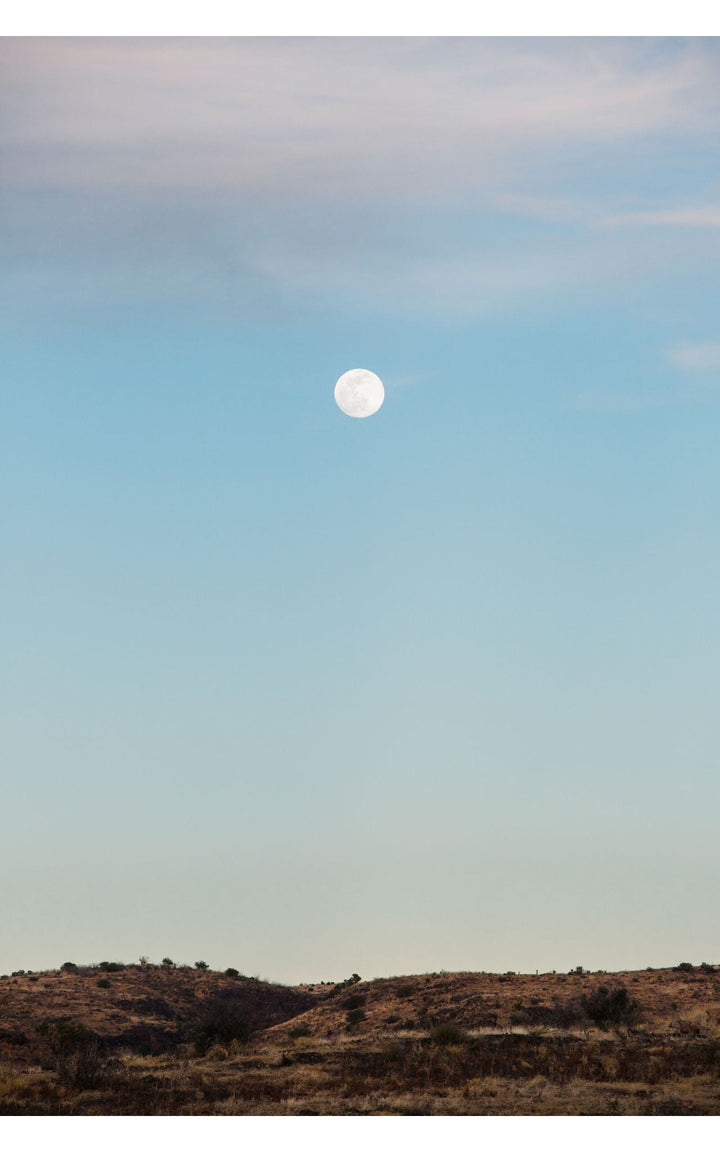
pixel 316 1061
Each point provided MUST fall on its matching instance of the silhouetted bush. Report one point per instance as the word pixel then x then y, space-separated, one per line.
pixel 167 962
pixel 111 966
pixel 75 1052
pixel 550 1016
pixel 231 972
pixel 608 1007
pixel 684 967
pixel 201 966
pixel 448 1035
pixel 219 1022
pixel 68 966
pixel 301 1030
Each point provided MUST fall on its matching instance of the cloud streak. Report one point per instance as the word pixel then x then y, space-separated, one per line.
pixel 698 357
pixel 447 176
pixel 358 117
pixel 688 216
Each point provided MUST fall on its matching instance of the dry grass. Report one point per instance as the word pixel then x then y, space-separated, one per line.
pixel 439 1044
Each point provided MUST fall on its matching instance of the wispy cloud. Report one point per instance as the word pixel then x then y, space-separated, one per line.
pixel 688 216
pixel 398 174
pixel 701 357
pixel 359 117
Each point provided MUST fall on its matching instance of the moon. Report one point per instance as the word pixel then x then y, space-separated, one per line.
pixel 359 392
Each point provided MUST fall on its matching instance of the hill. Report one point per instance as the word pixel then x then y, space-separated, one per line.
pixel 144 1038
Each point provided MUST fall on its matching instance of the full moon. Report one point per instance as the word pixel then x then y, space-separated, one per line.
pixel 359 392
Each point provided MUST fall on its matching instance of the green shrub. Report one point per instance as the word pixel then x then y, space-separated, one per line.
pixel 75 1052
pixel 201 966
pixel 354 1016
pixel 449 1034
pixel 167 962
pixel 231 972
pixel 301 1030
pixel 111 966
pixel 103 982
pixel 609 1007
pixel 220 1021
pixel 684 967
pixel 353 1002
pixel 68 966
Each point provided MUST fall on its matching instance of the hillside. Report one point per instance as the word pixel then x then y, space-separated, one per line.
pixel 163 1039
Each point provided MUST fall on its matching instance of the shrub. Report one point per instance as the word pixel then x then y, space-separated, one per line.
pixel 231 972
pixel 167 962
pixel 201 966
pixel 68 966
pixel 19 972
pixel 353 1002
pixel 111 966
pixel 354 1016
pixel 448 1034
pixel 103 982
pixel 300 1031
pixel 684 967
pixel 75 1052
pixel 219 1022
pixel 558 1015
pixel 608 1007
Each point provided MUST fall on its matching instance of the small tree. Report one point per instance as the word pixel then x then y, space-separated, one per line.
pixel 75 1052
pixel 201 966
pixel 611 1007
pixel 220 1022
pixel 167 962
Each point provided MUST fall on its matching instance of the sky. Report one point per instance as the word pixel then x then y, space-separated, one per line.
pixel 309 695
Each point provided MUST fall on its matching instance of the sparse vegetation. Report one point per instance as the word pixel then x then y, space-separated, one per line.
pixel 201 966
pixel 158 1040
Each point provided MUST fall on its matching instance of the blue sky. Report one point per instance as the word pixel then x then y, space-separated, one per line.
pixel 309 695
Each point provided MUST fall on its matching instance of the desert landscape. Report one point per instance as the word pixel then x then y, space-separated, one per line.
pixel 169 1039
